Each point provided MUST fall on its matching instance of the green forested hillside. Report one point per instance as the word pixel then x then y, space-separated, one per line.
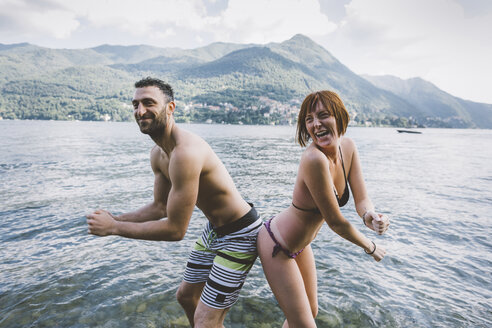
pixel 435 104
pixel 221 82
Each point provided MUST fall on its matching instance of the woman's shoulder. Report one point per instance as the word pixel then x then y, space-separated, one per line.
pixel 348 143
pixel 312 156
pixel 312 152
pixel 348 147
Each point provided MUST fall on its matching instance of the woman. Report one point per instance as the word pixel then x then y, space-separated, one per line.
pixel 328 166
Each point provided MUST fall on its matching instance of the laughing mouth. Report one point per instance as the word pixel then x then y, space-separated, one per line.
pixel 322 134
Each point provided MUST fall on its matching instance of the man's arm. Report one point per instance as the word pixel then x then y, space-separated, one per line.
pixel 184 172
pixel 155 210
pixel 102 223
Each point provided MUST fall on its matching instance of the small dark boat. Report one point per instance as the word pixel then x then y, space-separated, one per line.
pixel 409 131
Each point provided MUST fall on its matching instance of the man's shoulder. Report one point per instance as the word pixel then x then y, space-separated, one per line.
pixel 158 159
pixel 189 143
pixel 157 154
pixel 190 147
pixel 156 150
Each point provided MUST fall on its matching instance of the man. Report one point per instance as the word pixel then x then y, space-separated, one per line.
pixel 188 173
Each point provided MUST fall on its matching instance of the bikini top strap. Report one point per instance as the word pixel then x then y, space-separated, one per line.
pixel 343 165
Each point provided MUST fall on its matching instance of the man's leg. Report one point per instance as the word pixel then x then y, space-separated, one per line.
pixel 196 274
pixel 208 317
pixel 234 251
pixel 188 296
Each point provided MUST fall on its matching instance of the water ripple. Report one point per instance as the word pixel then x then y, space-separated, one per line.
pixel 53 274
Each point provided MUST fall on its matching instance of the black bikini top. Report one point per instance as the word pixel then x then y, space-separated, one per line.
pixel 341 201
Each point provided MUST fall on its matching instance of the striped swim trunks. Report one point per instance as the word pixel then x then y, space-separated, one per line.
pixel 222 257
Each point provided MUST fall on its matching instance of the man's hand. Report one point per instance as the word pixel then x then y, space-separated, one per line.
pixel 101 223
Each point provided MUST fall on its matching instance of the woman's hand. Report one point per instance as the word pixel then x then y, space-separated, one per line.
pixel 379 253
pixel 376 221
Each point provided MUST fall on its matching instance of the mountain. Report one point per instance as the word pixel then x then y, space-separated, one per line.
pixel 141 53
pixel 161 60
pixel 221 82
pixel 356 92
pixel 436 103
pixel 287 70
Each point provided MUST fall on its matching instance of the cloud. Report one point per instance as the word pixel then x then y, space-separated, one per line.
pixel 143 16
pixel 258 21
pixel 253 21
pixel 433 39
pixel 28 18
pixel 448 42
pixel 60 18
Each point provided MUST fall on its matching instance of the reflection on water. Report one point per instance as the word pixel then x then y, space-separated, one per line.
pixel 437 187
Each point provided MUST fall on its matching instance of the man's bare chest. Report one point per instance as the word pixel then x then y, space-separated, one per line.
pixel 164 166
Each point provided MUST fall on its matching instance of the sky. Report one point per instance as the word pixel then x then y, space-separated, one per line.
pixel 446 42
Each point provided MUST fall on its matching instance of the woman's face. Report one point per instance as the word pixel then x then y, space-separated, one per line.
pixel 322 127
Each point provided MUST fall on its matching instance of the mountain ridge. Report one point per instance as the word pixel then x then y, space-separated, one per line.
pixel 242 82
pixel 435 102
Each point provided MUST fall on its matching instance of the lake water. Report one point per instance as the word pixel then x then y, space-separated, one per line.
pixel 436 187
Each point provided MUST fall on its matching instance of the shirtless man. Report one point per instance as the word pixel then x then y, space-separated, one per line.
pixel 188 173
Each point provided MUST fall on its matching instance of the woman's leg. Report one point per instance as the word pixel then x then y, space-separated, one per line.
pixel 285 279
pixel 305 262
pixel 307 266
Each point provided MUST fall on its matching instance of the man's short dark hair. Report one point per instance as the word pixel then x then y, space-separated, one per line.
pixel 166 89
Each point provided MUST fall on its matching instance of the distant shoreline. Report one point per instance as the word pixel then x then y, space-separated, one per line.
pixel 217 123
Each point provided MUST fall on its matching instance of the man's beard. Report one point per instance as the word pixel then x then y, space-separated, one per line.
pixel 154 127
